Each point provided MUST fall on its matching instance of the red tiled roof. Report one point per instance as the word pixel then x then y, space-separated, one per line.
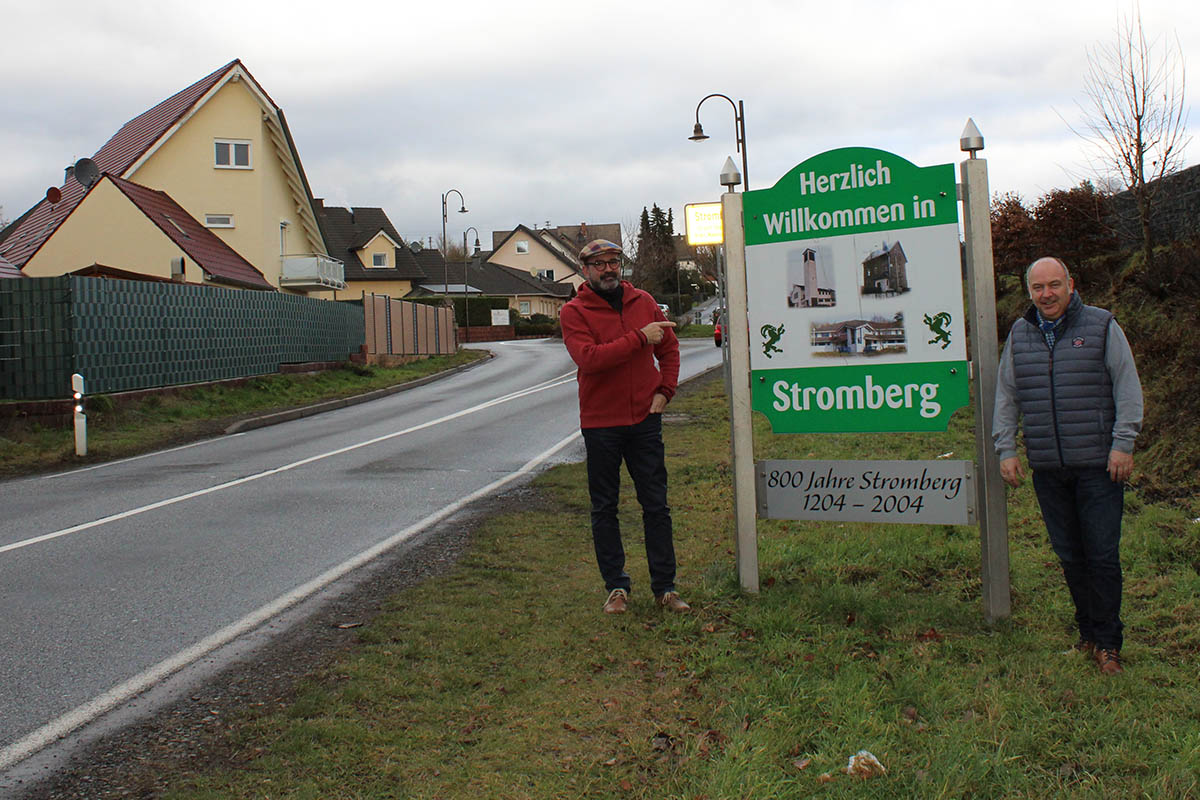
pixel 7 270
pixel 134 138
pixel 203 246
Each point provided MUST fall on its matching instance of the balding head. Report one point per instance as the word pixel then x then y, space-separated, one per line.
pixel 1050 286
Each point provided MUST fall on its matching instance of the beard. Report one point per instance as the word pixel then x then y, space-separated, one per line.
pixel 605 284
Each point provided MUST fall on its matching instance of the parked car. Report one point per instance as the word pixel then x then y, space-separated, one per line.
pixel 666 309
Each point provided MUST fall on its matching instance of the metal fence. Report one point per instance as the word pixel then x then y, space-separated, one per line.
pixel 123 335
pixel 402 327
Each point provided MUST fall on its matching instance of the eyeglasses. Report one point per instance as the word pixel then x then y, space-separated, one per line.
pixel 610 263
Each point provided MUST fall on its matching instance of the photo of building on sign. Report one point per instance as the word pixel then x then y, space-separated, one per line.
pixel 809 281
pixel 860 337
pixel 885 271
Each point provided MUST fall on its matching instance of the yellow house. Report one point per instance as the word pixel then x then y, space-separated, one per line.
pixel 222 152
pixel 549 254
pixel 145 232
pixel 376 259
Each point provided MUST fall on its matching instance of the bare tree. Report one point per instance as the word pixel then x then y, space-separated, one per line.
pixel 1135 115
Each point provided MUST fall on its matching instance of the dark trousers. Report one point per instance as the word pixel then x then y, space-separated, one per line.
pixel 1082 509
pixel 641 448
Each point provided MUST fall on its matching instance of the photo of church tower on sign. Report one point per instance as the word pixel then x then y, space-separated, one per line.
pixel 804 282
pixel 885 271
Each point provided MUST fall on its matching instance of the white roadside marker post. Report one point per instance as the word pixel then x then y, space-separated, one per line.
pixel 80 417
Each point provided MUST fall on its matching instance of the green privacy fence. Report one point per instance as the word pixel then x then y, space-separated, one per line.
pixel 123 335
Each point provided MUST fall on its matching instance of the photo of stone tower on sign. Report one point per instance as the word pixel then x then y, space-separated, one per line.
pixel 805 289
pixel 885 271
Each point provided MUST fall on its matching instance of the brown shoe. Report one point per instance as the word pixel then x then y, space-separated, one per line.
pixel 672 601
pixel 1085 647
pixel 1109 662
pixel 618 600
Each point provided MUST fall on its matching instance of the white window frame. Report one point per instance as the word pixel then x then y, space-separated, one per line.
pixel 213 221
pixel 374 265
pixel 233 143
pixel 525 307
pixel 522 247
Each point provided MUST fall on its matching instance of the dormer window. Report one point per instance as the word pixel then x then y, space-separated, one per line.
pixel 231 154
pixel 379 260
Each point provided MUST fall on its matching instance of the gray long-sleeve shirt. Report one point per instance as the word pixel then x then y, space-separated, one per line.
pixel 1126 387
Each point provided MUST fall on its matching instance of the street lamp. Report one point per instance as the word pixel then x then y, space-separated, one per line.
pixel 466 283
pixel 445 269
pixel 739 132
pixel 472 228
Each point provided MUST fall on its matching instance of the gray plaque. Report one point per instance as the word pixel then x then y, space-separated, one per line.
pixel 920 492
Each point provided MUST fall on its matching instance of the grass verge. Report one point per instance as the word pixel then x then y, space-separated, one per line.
pixel 151 422
pixel 504 680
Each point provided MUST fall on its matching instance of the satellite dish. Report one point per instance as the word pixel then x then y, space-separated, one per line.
pixel 86 172
pixel 53 195
pixel 415 246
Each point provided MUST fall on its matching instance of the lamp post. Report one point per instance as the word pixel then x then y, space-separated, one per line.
pixel 445 269
pixel 472 228
pixel 466 283
pixel 739 132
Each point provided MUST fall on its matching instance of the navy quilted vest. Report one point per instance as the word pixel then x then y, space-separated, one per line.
pixel 1065 396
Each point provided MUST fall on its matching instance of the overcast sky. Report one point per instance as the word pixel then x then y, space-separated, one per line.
pixel 561 113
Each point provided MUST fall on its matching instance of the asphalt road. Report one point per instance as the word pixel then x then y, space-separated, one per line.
pixel 118 575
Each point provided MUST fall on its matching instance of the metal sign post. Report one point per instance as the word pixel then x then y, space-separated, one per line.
pixel 990 502
pixel 738 335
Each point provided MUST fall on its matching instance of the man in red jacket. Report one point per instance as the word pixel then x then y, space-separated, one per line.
pixel 615 333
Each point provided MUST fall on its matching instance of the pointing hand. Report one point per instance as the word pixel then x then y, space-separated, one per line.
pixel 654 331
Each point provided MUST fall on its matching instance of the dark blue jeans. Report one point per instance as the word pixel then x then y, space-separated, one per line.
pixel 641 448
pixel 1082 508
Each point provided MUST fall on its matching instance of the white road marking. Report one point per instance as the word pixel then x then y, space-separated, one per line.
pixel 83 714
pixel 550 384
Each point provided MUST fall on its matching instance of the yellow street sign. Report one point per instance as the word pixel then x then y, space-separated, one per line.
pixel 703 223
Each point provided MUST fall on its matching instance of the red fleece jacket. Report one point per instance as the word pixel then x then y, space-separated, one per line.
pixel 617 376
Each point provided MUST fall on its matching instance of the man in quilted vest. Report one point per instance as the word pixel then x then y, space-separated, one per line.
pixel 628 359
pixel 1067 370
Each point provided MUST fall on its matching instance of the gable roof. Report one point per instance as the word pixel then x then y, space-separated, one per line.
pixel 218 260
pixel 346 230
pixel 118 154
pixel 500 281
pixel 560 253
pixel 136 141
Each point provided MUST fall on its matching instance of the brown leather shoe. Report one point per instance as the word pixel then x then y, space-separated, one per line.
pixel 1109 662
pixel 1085 647
pixel 618 600
pixel 672 601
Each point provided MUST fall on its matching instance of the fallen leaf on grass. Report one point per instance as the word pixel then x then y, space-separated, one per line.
pixel 662 741
pixel 825 777
pixel 910 713
pixel 345 625
pixel 801 763
pixel 612 762
pixel 929 635
pixel 626 786
pixel 864 765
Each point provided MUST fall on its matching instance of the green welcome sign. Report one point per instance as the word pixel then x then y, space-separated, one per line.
pixel 854 295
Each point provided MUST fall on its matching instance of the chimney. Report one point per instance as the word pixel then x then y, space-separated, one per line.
pixel 583 233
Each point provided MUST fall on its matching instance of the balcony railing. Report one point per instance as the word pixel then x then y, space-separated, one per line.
pixel 312 272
